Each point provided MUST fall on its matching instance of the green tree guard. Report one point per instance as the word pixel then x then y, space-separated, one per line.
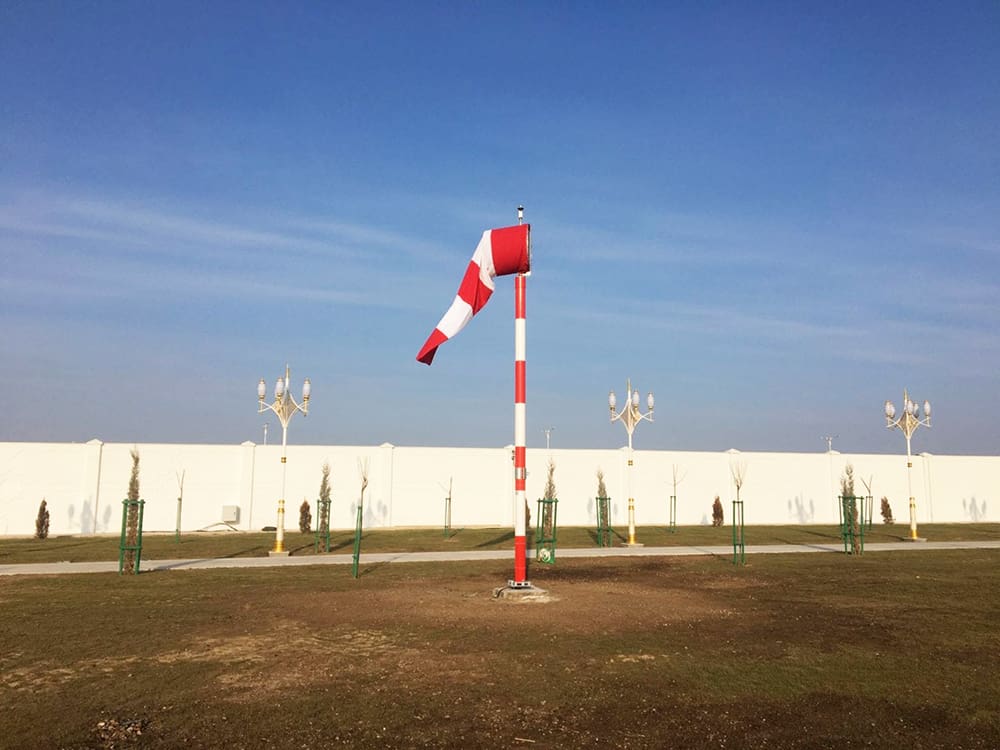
pixel 603 525
pixel 545 533
pixel 852 526
pixel 130 545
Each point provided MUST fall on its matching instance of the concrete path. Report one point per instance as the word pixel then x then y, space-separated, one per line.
pixel 148 566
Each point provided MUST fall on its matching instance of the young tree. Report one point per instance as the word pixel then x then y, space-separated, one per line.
pixel 602 491
pixel 738 469
pixel 305 517
pixel 849 505
pixel 323 522
pixel 548 513
pixel 677 479
pixel 363 472
pixel 717 515
pixel 887 518
pixel 550 483
pixel 42 521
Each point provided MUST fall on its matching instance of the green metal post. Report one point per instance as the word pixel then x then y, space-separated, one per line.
pixel 603 524
pixel 844 532
pixel 861 531
pixel 739 541
pixel 357 543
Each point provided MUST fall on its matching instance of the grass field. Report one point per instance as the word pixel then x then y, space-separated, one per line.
pixel 883 650
pixel 240 544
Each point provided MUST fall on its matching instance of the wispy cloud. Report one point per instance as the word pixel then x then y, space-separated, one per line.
pixel 123 226
pixel 707 319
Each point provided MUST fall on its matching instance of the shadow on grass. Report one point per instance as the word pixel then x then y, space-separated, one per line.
pixel 341 545
pixel 164 568
pixel 371 568
pixel 509 536
pixel 592 535
pixel 831 538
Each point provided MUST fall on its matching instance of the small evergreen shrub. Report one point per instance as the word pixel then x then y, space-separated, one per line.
pixel 550 482
pixel 323 522
pixel 886 512
pixel 717 514
pixel 305 517
pixel 548 521
pixel 42 521
pixel 849 507
pixel 602 491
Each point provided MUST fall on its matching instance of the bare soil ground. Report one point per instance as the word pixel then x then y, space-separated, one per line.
pixel 801 651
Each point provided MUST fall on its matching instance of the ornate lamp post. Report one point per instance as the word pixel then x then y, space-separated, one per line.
pixel 630 416
pixel 908 423
pixel 285 407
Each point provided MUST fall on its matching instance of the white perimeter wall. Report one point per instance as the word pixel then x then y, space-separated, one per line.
pixel 84 485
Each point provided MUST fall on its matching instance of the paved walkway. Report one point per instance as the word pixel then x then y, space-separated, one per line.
pixel 61 568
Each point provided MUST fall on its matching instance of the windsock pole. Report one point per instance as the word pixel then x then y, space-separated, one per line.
pixel 520 430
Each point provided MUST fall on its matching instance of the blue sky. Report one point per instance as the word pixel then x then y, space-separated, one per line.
pixel 774 217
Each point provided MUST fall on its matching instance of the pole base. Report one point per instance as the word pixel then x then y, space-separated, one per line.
pixel 278 553
pixel 524 592
pixel 633 544
pixel 915 539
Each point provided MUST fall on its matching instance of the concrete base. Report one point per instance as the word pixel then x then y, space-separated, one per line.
pixel 272 553
pixel 633 544
pixel 522 594
pixel 917 539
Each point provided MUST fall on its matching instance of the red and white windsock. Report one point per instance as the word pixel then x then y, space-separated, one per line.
pixel 500 252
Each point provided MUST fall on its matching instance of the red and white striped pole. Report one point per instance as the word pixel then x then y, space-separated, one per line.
pixel 520 428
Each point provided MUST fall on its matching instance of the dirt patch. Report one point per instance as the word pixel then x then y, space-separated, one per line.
pixel 631 654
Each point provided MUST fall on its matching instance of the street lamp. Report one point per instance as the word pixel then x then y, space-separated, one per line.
pixel 285 407
pixel 908 423
pixel 630 416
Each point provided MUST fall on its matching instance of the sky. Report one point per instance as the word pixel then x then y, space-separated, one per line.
pixel 774 216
